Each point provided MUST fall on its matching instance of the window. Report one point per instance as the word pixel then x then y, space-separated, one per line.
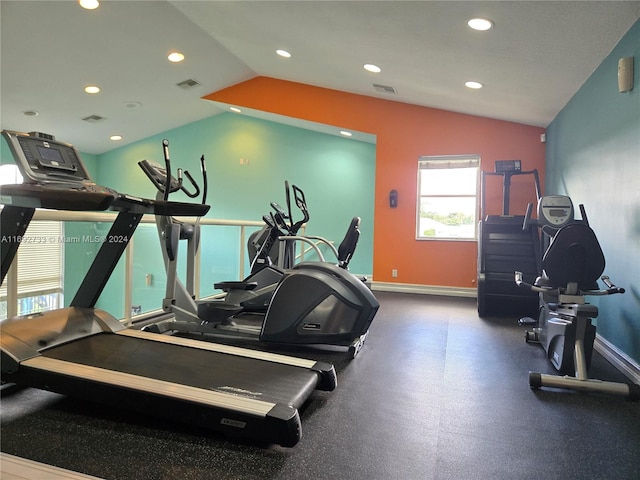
pixel 447 197
pixel 39 258
pixel 9 174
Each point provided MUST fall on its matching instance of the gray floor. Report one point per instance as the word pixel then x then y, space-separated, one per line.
pixel 437 393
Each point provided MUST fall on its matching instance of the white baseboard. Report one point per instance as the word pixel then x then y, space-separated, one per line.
pixel 618 358
pixel 424 289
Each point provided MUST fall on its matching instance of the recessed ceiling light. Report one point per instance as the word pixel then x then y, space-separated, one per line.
pixel 235 109
pixel 474 85
pixel 92 89
pixel 89 4
pixel 175 57
pixel 283 53
pixel 345 133
pixel 480 24
pixel 115 138
pixel 372 68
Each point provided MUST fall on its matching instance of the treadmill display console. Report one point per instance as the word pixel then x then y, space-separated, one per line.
pixel 555 211
pixel 42 159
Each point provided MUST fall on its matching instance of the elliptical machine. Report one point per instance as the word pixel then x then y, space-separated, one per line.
pixel 314 303
pixel 272 251
pixel 572 264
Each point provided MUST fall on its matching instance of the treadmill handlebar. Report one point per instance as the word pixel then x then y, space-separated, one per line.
pixel 91 198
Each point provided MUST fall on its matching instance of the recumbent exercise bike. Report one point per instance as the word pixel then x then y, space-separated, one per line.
pixel 572 264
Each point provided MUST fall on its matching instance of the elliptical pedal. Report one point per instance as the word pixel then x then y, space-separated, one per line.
pixel 357 345
pixel 532 336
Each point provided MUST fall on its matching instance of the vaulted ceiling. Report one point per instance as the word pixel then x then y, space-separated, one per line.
pixel 531 62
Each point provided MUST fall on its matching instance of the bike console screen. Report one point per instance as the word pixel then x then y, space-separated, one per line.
pixel 555 211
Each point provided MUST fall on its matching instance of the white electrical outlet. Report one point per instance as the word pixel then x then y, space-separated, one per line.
pixel 394 273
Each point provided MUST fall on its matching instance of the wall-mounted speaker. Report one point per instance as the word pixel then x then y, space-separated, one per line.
pixel 625 74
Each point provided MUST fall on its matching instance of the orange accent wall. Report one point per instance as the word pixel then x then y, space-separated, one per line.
pixel 405 132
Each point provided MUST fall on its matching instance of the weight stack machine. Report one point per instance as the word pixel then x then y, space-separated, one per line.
pixel 504 246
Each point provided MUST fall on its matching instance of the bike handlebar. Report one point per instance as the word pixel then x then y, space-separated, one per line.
pixel 610 290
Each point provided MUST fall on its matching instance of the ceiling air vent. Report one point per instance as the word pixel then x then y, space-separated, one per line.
pixel 189 83
pixel 385 89
pixel 93 118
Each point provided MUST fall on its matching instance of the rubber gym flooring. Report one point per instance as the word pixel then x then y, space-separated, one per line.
pixel 436 393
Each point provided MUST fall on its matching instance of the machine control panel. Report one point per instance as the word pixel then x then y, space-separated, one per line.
pixel 42 159
pixel 503 166
pixel 555 211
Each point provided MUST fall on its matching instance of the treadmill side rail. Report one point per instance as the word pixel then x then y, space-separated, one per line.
pixel 187 393
pixel 228 413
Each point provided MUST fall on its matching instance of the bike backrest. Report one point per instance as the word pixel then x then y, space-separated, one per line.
pixel 574 256
pixel 349 242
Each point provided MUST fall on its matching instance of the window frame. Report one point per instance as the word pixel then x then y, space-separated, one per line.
pixel 427 162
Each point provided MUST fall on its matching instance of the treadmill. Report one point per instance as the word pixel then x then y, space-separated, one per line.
pixel 85 352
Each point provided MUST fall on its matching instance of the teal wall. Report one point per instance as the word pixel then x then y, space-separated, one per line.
pixel 336 174
pixel 593 155
pixel 5 153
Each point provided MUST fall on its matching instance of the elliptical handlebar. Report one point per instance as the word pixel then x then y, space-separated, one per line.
pixel 167 168
pixel 193 183
pixel 205 179
pixel 301 203
pixel 288 201
pixel 166 183
pixel 284 219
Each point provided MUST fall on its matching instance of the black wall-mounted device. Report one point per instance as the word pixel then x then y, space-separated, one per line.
pixel 393 198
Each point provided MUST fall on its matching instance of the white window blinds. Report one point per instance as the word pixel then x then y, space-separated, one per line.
pixel 40 260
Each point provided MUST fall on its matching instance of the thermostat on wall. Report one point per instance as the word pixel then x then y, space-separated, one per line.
pixel 508 166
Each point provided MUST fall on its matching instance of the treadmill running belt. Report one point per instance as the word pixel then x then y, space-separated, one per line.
pixel 241 376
